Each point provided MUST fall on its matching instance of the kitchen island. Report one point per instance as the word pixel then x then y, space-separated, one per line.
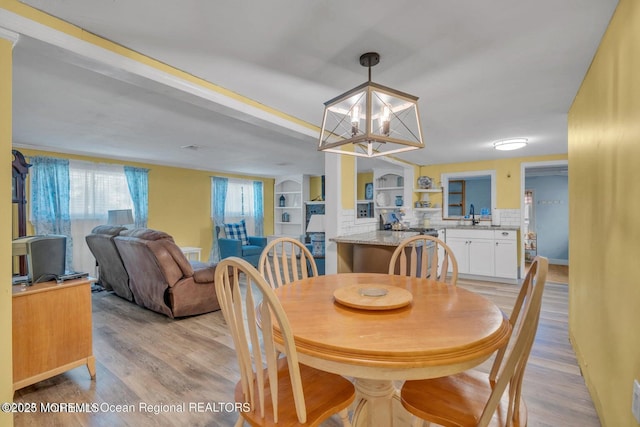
pixel 482 252
pixel 368 252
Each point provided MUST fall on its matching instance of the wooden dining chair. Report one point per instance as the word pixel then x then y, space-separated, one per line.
pixel 476 399
pixel 286 260
pixel 411 259
pixel 276 391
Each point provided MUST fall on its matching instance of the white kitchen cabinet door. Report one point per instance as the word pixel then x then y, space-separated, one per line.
pixel 481 257
pixel 506 259
pixel 460 249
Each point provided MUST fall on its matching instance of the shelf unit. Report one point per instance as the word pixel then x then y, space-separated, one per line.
pixel 424 196
pixel 388 186
pixel 457 192
pixel 530 246
pixel 293 190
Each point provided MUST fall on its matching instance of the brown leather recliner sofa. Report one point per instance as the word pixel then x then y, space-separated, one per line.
pixel 113 275
pixel 160 276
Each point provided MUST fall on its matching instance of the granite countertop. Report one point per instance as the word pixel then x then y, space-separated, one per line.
pixel 393 238
pixel 481 227
pixel 381 238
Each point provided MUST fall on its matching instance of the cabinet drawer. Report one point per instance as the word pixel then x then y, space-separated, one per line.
pixel 469 234
pixel 505 234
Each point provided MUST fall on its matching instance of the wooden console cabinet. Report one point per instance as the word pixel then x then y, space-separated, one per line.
pixel 52 331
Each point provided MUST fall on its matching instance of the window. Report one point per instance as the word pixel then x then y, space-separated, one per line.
pixel 240 203
pixel 95 189
pixel 461 189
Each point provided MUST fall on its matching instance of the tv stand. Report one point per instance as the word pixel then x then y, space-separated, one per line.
pixel 52 331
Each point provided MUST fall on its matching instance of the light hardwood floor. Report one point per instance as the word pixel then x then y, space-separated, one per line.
pixel 145 358
pixel 557 273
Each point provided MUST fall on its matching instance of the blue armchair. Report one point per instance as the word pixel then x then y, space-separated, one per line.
pixel 234 247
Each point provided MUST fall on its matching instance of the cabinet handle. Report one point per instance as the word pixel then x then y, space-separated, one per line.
pixel 505 233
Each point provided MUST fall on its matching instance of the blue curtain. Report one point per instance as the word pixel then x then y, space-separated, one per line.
pixel 218 199
pixel 50 199
pixel 138 183
pixel 258 207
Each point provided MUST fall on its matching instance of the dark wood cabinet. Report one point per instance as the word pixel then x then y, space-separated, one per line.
pixel 19 172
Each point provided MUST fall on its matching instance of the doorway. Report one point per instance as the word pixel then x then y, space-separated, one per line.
pixel 545 212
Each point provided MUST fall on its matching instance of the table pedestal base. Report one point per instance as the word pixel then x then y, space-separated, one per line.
pixel 378 405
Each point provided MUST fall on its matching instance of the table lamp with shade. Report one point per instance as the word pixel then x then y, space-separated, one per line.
pixel 120 217
pixel 315 228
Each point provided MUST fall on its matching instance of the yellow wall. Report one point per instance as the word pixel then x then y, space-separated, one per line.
pixel 315 188
pixel 180 200
pixel 6 367
pixel 348 172
pixel 604 213
pixel 507 176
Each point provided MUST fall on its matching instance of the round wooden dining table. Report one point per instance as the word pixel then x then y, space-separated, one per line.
pixel 441 330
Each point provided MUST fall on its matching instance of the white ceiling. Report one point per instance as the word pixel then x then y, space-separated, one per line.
pixel 483 70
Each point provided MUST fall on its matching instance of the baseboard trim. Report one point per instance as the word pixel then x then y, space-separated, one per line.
pixel 489 279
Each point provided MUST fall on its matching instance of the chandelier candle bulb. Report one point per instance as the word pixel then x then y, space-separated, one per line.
pixel 386 124
pixel 355 120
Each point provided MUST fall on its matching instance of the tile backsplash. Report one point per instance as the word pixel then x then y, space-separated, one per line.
pixel 348 224
pixel 508 218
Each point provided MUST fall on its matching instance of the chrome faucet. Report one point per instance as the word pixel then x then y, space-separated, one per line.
pixel 472 212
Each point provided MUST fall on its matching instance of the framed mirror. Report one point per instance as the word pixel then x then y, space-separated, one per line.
pixel 460 190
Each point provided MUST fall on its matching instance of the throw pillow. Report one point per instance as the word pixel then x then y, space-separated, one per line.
pixel 238 231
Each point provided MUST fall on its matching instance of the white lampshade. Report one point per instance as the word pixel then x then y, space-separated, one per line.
pixel 120 217
pixel 316 224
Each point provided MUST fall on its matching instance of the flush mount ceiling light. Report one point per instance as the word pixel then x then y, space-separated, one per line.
pixel 510 144
pixel 371 120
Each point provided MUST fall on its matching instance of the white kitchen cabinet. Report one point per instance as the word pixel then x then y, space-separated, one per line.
pixel 442 236
pixel 481 257
pixel 491 253
pixel 473 250
pixel 506 253
pixel 460 249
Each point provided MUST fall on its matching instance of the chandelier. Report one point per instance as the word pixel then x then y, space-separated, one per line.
pixel 371 120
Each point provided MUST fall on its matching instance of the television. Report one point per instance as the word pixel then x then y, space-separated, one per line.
pixel 46 256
